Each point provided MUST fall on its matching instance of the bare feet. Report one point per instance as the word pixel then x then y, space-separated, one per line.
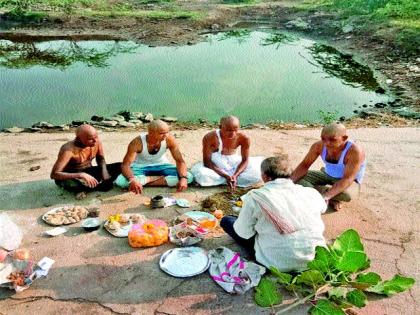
pixel 335 205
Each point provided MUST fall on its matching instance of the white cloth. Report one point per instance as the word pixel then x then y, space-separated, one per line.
pixel 231 272
pixel 145 158
pixel 298 208
pixel 228 163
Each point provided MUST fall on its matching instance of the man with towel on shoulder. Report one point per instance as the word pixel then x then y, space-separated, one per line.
pixel 145 163
pixel 344 165
pixel 221 163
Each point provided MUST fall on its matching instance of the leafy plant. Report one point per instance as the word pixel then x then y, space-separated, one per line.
pixel 327 117
pixel 333 282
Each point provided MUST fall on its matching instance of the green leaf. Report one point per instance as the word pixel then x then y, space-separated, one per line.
pixel 283 278
pixel 325 307
pixel 369 278
pixel 337 292
pixel 324 261
pixel 395 285
pixel 350 252
pixel 266 293
pixel 310 278
pixel 357 298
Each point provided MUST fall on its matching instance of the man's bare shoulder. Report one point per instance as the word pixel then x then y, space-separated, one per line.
pixel 210 137
pixel 356 150
pixel 317 146
pixel 243 138
pixel 68 147
pixel 170 141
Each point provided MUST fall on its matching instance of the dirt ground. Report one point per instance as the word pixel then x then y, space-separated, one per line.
pixel 96 273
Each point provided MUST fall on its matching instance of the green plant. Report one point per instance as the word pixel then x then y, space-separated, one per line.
pixel 17 7
pixel 333 282
pixel 327 117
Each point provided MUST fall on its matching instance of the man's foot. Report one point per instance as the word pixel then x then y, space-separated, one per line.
pixel 81 195
pixel 335 205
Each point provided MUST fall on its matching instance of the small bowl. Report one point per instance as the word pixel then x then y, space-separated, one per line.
pixel 157 202
pixel 91 224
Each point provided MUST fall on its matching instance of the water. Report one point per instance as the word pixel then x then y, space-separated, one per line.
pixel 258 76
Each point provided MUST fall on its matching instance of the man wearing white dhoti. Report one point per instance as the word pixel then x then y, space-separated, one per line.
pixel 280 223
pixel 221 162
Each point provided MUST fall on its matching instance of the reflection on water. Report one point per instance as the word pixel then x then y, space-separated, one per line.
pixel 259 76
pixel 343 66
pixel 60 54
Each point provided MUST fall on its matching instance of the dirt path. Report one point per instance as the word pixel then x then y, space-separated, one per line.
pixel 98 274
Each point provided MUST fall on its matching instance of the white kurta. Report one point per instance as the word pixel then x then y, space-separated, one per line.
pixel 298 206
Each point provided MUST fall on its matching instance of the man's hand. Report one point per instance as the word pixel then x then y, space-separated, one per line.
pixel 88 180
pixel 135 186
pixel 232 182
pixel 182 185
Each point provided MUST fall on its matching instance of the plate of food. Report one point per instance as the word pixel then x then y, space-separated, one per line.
pixel 64 215
pixel 120 224
pixel 184 262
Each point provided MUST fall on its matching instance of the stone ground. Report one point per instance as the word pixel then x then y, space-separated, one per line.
pixel 96 273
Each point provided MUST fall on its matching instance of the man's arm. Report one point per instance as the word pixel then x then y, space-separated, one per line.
pixel 100 160
pixel 207 152
pixel 355 158
pixel 302 169
pixel 134 147
pixel 180 163
pixel 245 144
pixel 57 172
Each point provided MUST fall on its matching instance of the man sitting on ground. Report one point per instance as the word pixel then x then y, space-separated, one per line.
pixel 221 163
pixel 145 163
pixel 344 164
pixel 73 169
pixel 280 223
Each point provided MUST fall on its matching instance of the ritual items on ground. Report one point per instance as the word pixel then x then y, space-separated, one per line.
pixel 150 233
pixel 65 215
pixel 17 271
pixel 91 224
pixel 56 231
pixel 94 212
pixel 183 203
pixel 184 262
pixel 157 202
pixel 218 214
pixel 119 225
pixel 228 202
pixel 184 235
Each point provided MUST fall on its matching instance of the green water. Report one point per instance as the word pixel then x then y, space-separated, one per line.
pixel 258 76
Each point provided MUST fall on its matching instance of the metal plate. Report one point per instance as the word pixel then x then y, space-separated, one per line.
pixel 200 215
pixel 184 262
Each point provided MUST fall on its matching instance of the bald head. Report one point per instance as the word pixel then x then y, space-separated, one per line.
pixel 157 125
pixel 334 129
pixel 229 121
pixel 87 135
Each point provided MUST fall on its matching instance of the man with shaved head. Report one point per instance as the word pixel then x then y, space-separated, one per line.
pixel 344 165
pixel 73 169
pixel 222 165
pixel 145 163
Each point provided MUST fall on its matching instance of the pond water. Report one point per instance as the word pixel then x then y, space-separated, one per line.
pixel 259 76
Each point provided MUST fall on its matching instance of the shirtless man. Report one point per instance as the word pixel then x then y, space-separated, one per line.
pixel 221 164
pixel 344 164
pixel 145 163
pixel 73 169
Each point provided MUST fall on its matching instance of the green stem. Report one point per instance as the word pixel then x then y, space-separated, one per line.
pixel 321 290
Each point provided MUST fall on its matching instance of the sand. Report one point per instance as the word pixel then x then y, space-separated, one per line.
pixel 96 273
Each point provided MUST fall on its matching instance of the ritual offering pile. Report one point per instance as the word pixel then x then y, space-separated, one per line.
pixel 65 215
pixel 120 224
pixel 150 233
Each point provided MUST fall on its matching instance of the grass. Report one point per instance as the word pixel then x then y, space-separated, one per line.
pixel 23 10
pixel 396 21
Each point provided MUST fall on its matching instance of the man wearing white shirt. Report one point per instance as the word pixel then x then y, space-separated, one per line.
pixel 281 222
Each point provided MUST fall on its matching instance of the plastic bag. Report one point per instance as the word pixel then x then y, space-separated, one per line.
pixel 10 234
pixel 150 233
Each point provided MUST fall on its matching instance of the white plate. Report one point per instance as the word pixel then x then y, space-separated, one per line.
pixel 54 210
pixel 184 262
pixel 121 232
pixel 56 231
pixel 183 203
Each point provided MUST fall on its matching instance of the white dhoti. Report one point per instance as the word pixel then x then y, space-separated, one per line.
pixel 228 164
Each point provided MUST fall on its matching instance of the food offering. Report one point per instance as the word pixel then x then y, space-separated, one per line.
pixel 120 224
pixel 201 222
pixel 184 234
pixel 16 270
pixel 150 233
pixel 65 215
